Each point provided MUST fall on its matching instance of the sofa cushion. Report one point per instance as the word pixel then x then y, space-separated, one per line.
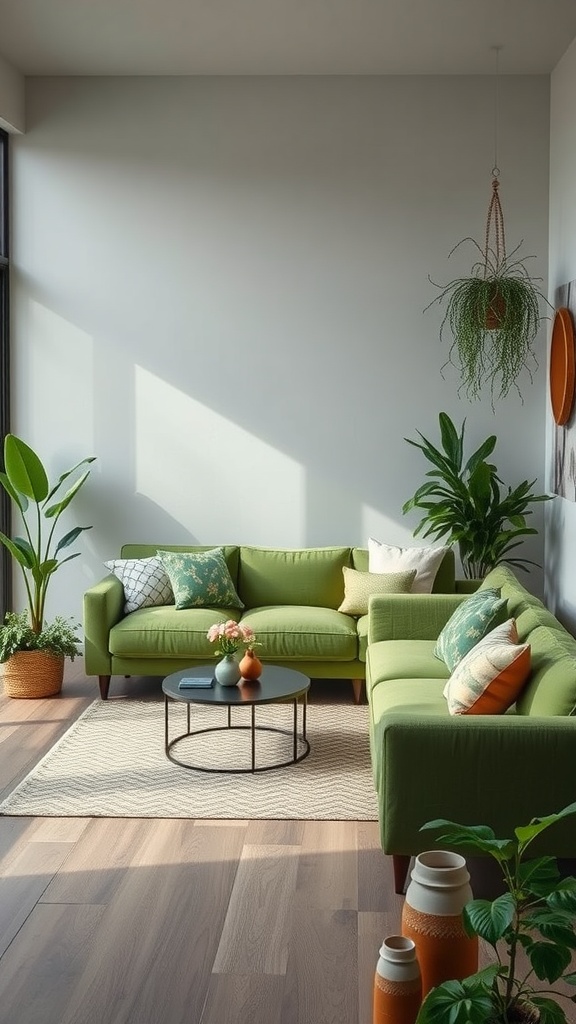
pixel 167 633
pixel 502 578
pixel 299 576
pixel 362 630
pixel 468 624
pixel 388 558
pixel 551 689
pixel 359 587
pixel 404 659
pixel 200 579
pixel 488 679
pixel 303 633
pixel 144 580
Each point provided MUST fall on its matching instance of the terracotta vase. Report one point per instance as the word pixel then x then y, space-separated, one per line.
pixel 250 665
pixel 397 982
pixel 432 918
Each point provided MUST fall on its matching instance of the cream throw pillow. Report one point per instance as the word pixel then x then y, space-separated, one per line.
pixel 359 587
pixel 489 678
pixel 384 558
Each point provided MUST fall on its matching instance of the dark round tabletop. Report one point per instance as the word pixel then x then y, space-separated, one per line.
pixel 275 684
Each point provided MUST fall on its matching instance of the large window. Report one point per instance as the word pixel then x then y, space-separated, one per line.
pixel 5 565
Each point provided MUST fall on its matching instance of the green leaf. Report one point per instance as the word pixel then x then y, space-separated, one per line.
pixel 550 1012
pixel 451 441
pixel 24 469
pixel 64 476
pixel 549 960
pixel 489 919
pixel 19 499
pixel 564 896
pixel 478 837
pixel 457 1002
pixel 526 833
pixel 56 510
pixel 70 537
pixel 539 875
pixel 20 556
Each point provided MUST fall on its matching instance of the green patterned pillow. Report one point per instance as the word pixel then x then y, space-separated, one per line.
pixel 471 621
pixel 200 579
pixel 359 587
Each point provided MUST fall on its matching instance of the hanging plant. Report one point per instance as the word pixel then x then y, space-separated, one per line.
pixel 493 314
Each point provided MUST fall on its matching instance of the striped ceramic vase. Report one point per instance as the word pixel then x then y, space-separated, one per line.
pixel 432 918
pixel 397 982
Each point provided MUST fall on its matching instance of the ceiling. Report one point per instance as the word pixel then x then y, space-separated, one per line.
pixel 284 37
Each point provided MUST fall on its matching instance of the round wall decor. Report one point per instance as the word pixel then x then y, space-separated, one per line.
pixel 562 366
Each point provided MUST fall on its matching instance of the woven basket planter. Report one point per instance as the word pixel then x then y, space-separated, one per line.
pixel 33 674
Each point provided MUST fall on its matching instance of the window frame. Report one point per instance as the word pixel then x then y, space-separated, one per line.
pixel 5 508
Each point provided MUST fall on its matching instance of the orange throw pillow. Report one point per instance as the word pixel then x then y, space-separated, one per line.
pixel 489 678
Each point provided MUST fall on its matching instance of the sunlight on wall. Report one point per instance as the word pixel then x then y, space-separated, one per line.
pixel 389 531
pixel 56 410
pixel 215 478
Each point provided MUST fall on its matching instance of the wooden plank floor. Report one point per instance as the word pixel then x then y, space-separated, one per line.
pixel 124 921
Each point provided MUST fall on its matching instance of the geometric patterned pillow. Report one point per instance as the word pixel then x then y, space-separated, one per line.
pixel 489 678
pixel 359 587
pixel 471 621
pixel 200 579
pixel 145 582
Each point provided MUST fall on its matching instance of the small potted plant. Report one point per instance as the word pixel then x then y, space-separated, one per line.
pixel 32 652
pixel 535 914
pixel 465 502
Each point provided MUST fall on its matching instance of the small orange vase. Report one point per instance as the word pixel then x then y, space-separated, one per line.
pixel 250 666
pixel 397 983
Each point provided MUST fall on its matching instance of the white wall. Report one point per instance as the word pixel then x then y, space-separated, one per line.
pixel 561 515
pixel 12 98
pixel 219 287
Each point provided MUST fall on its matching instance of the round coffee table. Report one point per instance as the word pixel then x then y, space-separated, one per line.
pixel 276 685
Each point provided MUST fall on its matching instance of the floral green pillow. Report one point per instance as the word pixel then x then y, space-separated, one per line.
pixel 471 621
pixel 200 579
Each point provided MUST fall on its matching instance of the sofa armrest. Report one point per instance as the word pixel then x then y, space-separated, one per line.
pixel 103 608
pixel 409 616
pixel 499 770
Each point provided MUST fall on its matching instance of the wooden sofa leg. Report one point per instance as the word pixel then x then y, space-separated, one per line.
pixel 357 687
pixel 401 863
pixel 104 684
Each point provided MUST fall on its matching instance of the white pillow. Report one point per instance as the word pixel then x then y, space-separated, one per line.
pixel 426 561
pixel 145 580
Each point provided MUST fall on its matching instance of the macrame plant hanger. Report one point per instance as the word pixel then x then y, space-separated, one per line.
pixel 495 235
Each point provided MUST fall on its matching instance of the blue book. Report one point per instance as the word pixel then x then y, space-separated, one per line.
pixel 195 683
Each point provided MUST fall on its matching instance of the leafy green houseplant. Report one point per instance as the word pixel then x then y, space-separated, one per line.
pixel 37 553
pixel 466 502
pixel 535 914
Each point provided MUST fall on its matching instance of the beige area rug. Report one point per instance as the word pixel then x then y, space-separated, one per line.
pixel 111 764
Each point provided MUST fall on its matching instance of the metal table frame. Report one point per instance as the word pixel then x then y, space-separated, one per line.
pixel 298 739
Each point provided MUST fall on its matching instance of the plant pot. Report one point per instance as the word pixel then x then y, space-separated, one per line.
pixel 33 674
pixel 496 312
pixel 523 1013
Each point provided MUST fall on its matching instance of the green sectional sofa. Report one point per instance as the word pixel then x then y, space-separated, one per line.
pixel 291 599
pixel 500 770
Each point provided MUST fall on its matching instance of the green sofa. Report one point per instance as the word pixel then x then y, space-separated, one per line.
pixel 291 597
pixel 499 770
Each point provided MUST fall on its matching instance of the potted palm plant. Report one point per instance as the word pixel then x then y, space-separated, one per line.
pixel 530 927
pixel 467 503
pixel 32 652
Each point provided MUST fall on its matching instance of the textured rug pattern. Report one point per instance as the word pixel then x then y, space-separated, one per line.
pixel 111 763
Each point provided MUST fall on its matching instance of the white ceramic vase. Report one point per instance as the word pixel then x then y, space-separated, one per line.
pixel 227 671
pixel 397 982
pixel 432 917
